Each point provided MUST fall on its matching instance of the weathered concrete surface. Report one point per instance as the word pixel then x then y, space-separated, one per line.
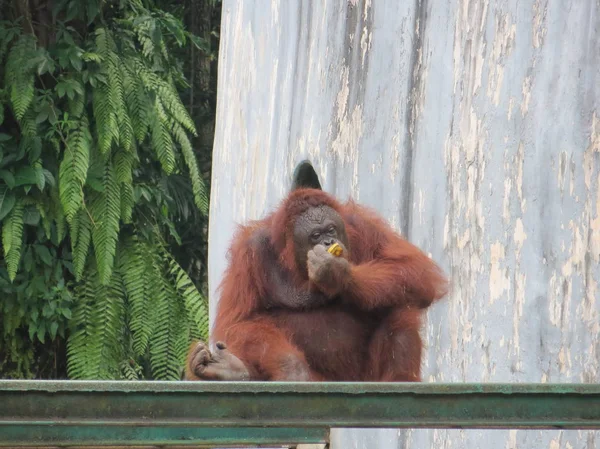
pixel 474 127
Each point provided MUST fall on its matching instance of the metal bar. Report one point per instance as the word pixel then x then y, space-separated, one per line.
pixel 86 412
pixel 94 435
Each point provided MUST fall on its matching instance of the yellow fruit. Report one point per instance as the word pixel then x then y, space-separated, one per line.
pixel 335 249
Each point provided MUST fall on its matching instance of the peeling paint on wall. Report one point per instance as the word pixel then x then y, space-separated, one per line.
pixel 474 128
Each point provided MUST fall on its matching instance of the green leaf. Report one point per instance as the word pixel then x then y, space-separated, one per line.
pixel 40 177
pixel 44 254
pixel 61 89
pixel 175 27
pixel 46 222
pixel 31 216
pixel 7 201
pixel 46 65
pixel 49 177
pixel 33 146
pixel 53 330
pixel 28 262
pixel 41 332
pixel 91 57
pixel 199 43
pixel 8 178
pixel 93 9
pixel 76 62
pixel 25 176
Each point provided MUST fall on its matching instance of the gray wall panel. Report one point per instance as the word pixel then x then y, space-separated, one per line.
pixel 474 128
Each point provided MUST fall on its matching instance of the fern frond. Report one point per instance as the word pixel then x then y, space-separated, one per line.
pixel 30 142
pixel 127 202
pixel 42 207
pixel 143 32
pixel 136 270
pixel 76 105
pixel 12 238
pixel 82 343
pixel 104 42
pixel 198 187
pixel 196 305
pixel 57 213
pixel 124 165
pixel 117 100
pixel 95 343
pixel 114 123
pixel 170 339
pixel 31 146
pixel 112 310
pixel 161 139
pixel 130 370
pixel 138 104
pixel 28 125
pixel 19 77
pixel 81 232
pixel 73 169
pixel 106 120
pixel 74 234
pixel 170 98
pixel 105 208
pixel 166 93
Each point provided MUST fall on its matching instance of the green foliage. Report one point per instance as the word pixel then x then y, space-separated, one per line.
pixel 95 344
pixel 97 173
pixel 105 208
pixel 36 305
pixel 143 287
pixel 74 168
pixel 19 75
pixel 12 238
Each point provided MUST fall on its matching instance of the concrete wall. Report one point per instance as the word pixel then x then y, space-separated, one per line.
pixel 474 127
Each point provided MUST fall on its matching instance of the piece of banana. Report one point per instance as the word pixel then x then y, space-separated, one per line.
pixel 335 249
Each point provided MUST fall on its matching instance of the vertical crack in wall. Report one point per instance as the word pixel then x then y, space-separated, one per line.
pixel 412 114
pixel 347 126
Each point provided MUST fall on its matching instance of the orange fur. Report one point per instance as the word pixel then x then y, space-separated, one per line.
pixel 389 278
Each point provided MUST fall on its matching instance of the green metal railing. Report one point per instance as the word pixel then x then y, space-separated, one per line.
pixel 64 413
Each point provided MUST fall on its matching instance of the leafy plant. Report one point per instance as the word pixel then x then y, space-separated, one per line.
pixel 94 139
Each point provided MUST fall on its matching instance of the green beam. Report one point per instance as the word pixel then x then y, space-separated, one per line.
pixel 127 435
pixel 86 412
